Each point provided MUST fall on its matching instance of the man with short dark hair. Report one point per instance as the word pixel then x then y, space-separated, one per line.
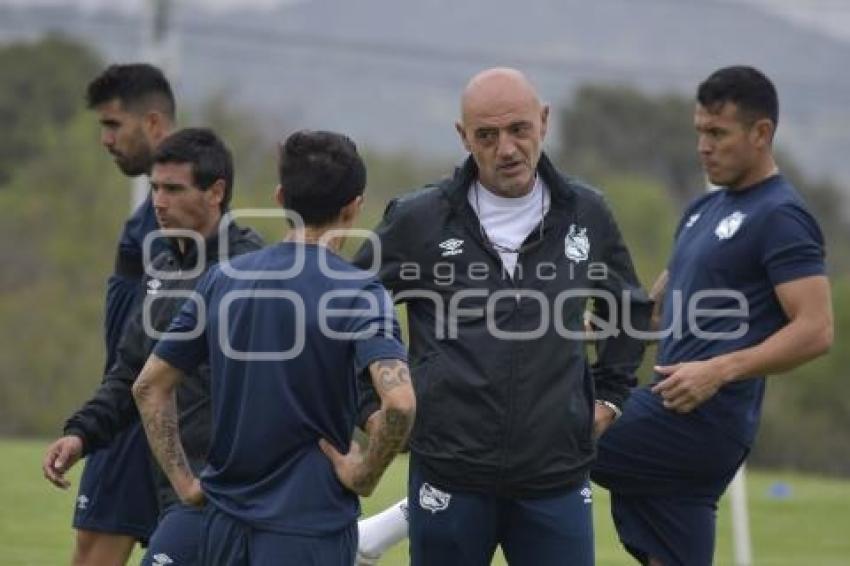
pixel 191 186
pixel 116 504
pixel 744 296
pixel 286 331
pixel 136 109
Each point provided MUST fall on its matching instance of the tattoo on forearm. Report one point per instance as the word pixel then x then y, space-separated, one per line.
pixel 386 440
pixel 391 374
pixel 161 425
pixel 392 426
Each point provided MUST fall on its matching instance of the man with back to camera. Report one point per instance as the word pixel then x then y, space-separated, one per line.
pixel 503 441
pixel 286 331
pixel 117 504
pixel 191 188
pixel 755 254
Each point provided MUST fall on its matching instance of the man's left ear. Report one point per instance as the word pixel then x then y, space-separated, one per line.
pixel 764 130
pixel 154 123
pixel 216 193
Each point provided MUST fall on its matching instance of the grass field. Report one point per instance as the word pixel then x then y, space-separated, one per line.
pixel 808 527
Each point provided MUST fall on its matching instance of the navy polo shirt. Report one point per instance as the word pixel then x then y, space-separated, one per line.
pixel 731 249
pixel 285 340
pixel 124 287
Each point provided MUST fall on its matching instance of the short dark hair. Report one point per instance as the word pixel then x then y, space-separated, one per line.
pixel 320 172
pixel 204 150
pixel 139 87
pixel 747 87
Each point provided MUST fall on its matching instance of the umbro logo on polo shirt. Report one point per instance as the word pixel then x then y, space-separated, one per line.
pixel 692 219
pixel 153 286
pixel 162 559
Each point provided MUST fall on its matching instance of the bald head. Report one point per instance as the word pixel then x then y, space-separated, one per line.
pixel 493 87
pixel 502 125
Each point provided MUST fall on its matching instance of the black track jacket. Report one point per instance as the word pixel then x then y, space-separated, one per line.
pixel 498 412
pixel 112 408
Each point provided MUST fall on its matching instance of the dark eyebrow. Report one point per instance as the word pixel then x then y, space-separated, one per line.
pixel 169 186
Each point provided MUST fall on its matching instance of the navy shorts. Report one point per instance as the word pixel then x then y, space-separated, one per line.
pixel 226 541
pixel 666 472
pixel 177 538
pixel 117 492
pixel 462 528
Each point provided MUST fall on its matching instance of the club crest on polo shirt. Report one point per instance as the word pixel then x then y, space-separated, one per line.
pixel 577 244
pixel 452 246
pixel 432 499
pixel 82 502
pixel 587 494
pixel 727 227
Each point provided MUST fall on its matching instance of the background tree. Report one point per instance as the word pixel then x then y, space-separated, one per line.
pixel 617 129
pixel 43 86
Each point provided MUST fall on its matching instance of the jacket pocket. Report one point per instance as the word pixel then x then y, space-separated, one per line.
pixel 424 373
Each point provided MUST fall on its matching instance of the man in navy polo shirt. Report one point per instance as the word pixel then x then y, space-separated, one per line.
pixel 744 296
pixel 116 504
pixel 286 330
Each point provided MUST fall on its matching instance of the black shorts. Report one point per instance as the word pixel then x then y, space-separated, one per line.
pixel 117 492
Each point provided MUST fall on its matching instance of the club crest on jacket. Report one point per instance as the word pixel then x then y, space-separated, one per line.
pixel 577 244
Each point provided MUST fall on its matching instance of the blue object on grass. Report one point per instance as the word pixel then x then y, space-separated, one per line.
pixel 779 490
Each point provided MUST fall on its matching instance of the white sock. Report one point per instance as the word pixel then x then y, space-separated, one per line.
pixel 380 532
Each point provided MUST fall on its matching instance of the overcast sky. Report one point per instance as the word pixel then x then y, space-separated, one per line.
pixel 829 16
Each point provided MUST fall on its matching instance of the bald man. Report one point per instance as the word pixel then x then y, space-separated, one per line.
pixel 496 265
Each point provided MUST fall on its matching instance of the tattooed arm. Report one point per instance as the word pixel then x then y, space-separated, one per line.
pixel 359 470
pixel 155 394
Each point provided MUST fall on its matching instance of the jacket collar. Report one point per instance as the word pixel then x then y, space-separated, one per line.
pixel 190 254
pixel 562 194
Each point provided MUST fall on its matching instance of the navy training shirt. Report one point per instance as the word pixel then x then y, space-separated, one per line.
pixel 747 241
pixel 265 466
pixel 124 286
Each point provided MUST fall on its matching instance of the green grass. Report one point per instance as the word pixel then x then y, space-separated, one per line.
pixel 807 528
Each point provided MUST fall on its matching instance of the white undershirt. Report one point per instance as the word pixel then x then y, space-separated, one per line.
pixel 508 221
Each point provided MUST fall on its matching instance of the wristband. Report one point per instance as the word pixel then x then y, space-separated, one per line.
pixel 617 412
